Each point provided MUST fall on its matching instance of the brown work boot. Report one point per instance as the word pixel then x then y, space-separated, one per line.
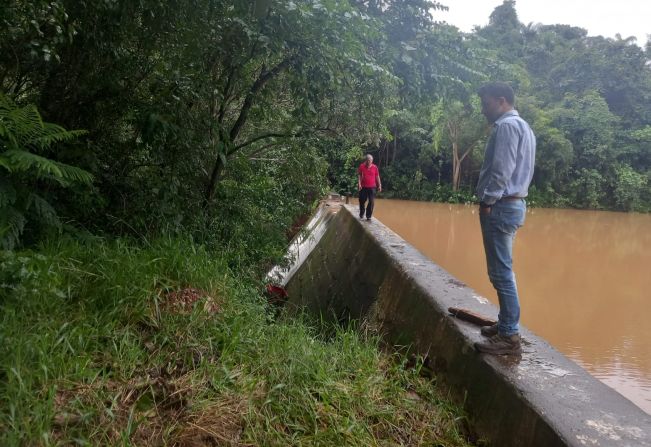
pixel 501 344
pixel 489 331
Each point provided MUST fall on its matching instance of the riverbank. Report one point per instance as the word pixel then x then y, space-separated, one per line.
pixel 108 343
pixel 443 193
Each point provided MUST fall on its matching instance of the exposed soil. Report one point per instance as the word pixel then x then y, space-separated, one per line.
pixel 184 300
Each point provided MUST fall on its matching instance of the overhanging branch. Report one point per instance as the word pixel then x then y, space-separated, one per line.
pixel 264 136
pixel 264 77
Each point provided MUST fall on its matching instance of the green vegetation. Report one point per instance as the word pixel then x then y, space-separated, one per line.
pixel 213 127
pixel 112 343
pixel 24 135
pixel 587 99
pixel 178 99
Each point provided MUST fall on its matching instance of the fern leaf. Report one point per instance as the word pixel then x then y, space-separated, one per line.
pixel 43 210
pixel 5 163
pixel 7 194
pixel 12 224
pixel 52 133
pixel 9 140
pixel 21 131
pixel 75 174
pixel 23 161
pixel 24 124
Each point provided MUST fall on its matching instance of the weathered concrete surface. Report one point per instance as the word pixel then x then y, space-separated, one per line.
pixel 349 268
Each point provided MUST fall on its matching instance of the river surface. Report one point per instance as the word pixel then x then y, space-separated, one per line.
pixel 584 279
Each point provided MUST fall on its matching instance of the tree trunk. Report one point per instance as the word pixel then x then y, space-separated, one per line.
pixel 459 160
pixel 456 177
pixel 212 183
pixel 456 166
pixel 395 147
pixel 264 77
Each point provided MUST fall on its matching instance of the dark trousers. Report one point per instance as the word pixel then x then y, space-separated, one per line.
pixel 364 195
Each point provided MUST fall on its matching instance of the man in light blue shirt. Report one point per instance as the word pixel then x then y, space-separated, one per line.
pixel 503 184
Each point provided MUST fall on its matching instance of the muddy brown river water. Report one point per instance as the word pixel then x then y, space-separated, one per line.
pixel 584 279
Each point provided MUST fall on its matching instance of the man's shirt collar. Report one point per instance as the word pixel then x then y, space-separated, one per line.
pixel 505 115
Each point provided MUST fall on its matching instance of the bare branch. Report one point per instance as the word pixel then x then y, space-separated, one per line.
pixel 469 150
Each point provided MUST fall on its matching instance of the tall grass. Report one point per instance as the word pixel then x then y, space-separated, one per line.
pixel 96 351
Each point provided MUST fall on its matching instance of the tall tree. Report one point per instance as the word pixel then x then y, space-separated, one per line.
pixel 461 128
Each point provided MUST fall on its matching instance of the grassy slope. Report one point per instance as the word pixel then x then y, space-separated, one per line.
pixel 91 353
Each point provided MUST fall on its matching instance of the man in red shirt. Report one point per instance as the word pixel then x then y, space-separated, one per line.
pixel 368 180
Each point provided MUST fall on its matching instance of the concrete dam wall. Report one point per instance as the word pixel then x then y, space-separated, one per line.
pixel 345 268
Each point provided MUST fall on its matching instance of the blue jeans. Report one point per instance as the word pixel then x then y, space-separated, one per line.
pixel 498 230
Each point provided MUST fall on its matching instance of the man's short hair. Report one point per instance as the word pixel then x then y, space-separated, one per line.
pixel 497 90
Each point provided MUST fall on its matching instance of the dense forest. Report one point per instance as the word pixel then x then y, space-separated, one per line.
pixel 226 118
pixel 156 156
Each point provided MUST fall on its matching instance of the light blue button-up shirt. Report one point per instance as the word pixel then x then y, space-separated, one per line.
pixel 508 161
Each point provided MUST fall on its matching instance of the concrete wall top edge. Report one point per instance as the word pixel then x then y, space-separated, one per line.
pixel 585 410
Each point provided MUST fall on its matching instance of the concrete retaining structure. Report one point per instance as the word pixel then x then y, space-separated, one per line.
pixel 351 269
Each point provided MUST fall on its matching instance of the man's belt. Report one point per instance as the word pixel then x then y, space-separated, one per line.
pixel 509 198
